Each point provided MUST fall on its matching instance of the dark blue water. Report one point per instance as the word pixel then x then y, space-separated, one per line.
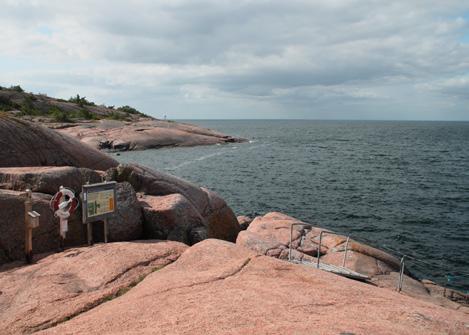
pixel 397 185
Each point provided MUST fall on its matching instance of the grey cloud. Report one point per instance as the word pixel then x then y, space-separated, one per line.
pixel 289 53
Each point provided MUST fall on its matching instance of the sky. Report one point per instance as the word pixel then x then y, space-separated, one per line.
pixel 245 59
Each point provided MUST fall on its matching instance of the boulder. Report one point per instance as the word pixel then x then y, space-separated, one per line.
pixel 421 290
pixel 244 221
pixel 217 287
pixel 153 182
pixel 127 224
pixel 270 235
pixel 63 285
pixel 220 220
pixel 45 237
pixel 28 144
pixel 172 217
pixel 47 179
pixel 358 262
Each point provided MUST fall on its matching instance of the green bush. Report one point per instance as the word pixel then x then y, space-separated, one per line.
pixel 86 114
pixel 27 107
pixel 116 116
pixel 59 115
pixel 6 104
pixel 16 88
pixel 81 101
pixel 129 110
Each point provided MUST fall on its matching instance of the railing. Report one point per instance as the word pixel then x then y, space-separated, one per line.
pixel 401 274
pixel 401 267
pixel 291 236
pixel 319 246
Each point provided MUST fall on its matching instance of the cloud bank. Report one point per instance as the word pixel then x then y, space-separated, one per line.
pixel 245 59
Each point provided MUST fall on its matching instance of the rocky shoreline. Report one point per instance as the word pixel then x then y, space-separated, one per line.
pixel 105 127
pixel 180 261
pixel 142 134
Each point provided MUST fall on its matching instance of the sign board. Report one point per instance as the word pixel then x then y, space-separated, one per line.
pixel 98 201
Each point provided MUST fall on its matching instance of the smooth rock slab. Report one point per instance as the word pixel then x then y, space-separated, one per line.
pixel 216 287
pixel 47 179
pixel 144 134
pixel 270 235
pixel 25 143
pixel 63 285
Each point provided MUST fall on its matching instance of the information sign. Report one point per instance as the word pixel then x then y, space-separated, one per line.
pixel 99 201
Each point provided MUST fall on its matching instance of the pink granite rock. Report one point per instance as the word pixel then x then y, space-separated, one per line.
pixel 47 179
pixel 216 287
pixel 25 143
pixel 172 217
pixel 63 285
pixel 220 220
pixel 144 133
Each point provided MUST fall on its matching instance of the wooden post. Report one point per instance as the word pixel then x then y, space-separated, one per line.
pixel 105 230
pixel 28 238
pixel 89 229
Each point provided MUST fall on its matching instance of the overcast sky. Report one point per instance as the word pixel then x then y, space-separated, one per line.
pixel 245 59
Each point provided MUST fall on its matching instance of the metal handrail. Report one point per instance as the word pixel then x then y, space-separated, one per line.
pixel 401 274
pixel 402 262
pixel 319 245
pixel 320 241
pixel 291 236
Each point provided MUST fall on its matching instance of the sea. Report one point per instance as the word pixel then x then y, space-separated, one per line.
pixel 399 186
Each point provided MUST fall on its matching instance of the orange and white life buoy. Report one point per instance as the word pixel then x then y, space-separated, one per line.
pixel 64 203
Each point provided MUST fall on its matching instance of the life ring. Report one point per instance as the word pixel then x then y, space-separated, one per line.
pixel 64 200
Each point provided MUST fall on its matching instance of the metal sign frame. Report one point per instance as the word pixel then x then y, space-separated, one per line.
pixel 95 188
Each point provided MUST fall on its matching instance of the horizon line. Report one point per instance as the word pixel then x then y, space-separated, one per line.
pixel 299 119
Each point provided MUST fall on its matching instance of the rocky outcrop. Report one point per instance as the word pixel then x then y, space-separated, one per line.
pixel 217 287
pixel 173 208
pixel 145 133
pixel 118 129
pixel 47 179
pixel 45 237
pixel 244 221
pixel 28 144
pixel 61 286
pixel 126 225
pixel 218 219
pixel 270 235
pixel 172 217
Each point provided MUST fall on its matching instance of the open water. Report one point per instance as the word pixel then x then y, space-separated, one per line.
pixel 403 186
